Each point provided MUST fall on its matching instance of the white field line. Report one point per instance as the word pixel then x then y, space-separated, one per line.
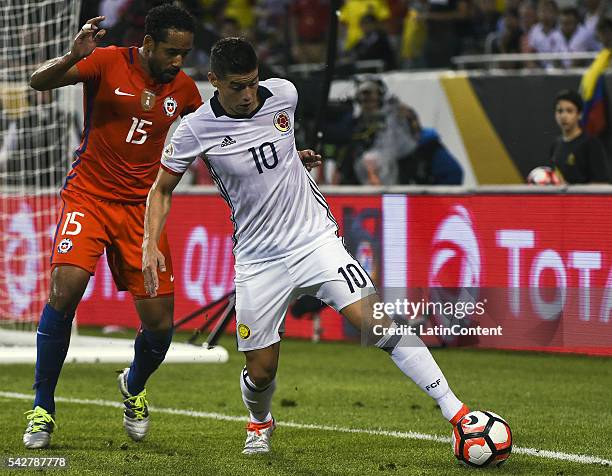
pixel 411 435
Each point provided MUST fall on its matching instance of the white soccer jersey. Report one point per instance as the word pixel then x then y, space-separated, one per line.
pixel 276 207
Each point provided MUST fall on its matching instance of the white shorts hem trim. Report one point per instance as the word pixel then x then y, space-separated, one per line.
pixel 258 346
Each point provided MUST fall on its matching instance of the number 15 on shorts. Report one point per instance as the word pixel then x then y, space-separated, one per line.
pixel 71 224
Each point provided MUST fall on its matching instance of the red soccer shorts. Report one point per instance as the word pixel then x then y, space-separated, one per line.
pixel 88 226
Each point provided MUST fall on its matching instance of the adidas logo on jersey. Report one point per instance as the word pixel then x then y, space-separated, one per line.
pixel 227 141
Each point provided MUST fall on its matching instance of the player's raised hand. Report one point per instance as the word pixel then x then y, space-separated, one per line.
pixel 88 38
pixel 152 260
pixel 309 158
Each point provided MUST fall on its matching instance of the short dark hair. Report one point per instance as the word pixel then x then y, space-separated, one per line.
pixel 573 11
pixel 512 12
pixel 232 56
pixel 549 3
pixel 369 18
pixel 604 23
pixel 571 96
pixel 231 20
pixel 167 17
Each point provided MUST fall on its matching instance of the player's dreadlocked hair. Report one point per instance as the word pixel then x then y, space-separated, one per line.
pixel 232 56
pixel 165 17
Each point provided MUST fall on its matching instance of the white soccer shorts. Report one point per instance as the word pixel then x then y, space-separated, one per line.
pixel 265 290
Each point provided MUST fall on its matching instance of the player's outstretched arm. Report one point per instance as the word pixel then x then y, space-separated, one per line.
pixel 61 71
pixel 158 207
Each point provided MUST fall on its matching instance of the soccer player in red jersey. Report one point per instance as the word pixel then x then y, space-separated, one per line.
pixel 131 97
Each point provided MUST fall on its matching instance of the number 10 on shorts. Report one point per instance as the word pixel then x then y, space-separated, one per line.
pixel 352 274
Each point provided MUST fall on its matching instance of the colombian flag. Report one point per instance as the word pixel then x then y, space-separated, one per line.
pixel 592 89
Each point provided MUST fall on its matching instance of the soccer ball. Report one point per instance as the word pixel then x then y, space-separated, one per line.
pixel 482 438
pixel 543 176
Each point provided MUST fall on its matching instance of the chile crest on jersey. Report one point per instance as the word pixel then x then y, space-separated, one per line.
pixel 170 106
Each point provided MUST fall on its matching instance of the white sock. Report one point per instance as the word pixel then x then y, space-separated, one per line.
pixel 413 358
pixel 258 401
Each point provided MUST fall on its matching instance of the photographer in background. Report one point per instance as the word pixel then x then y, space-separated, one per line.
pixel 430 163
pixel 388 145
pixel 381 134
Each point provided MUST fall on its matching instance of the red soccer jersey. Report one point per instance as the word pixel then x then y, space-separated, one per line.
pixel 126 120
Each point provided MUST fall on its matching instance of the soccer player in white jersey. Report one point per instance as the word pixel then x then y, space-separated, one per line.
pixel 286 240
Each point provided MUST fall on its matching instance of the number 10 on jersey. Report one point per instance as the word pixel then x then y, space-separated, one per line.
pixel 267 163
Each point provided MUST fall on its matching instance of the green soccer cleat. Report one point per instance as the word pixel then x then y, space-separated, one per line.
pixel 40 427
pixel 136 411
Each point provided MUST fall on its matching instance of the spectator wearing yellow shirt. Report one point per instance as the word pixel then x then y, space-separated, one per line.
pixel 351 13
pixel 241 10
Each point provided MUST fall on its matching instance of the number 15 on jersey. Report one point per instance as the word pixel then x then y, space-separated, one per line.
pixel 138 128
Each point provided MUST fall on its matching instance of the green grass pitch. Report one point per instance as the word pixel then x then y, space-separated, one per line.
pixel 558 403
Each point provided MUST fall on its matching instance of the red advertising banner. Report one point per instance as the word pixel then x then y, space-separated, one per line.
pixel 27 228
pixel 539 264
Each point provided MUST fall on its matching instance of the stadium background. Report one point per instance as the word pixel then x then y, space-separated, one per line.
pixel 481 119
pixel 398 237
pixel 335 398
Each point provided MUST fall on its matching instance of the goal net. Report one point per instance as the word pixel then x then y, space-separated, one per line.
pixel 36 140
pixel 39 132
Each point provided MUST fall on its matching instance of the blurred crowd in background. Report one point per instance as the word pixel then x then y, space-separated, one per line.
pixel 369 137
pixel 373 138
pixel 398 34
